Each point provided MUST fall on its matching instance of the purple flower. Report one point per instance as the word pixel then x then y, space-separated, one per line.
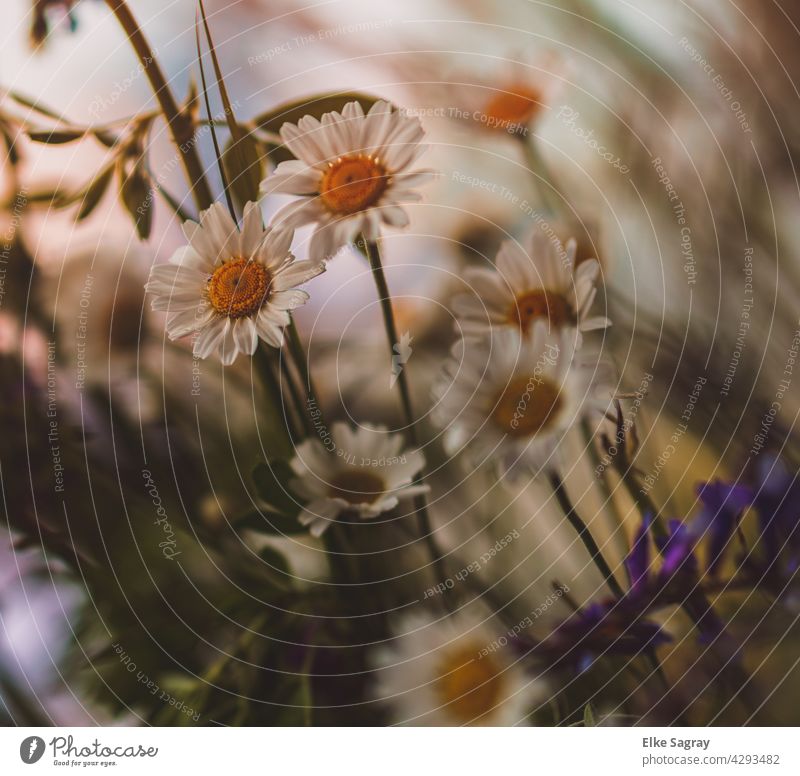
pixel 608 628
pixel 677 575
pixel 777 501
pixel 722 507
pixel 637 562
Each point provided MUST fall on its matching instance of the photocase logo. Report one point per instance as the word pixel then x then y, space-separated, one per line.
pixel 31 749
pixel 402 352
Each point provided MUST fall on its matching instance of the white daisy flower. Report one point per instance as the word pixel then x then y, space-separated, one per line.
pixel 524 287
pixel 363 472
pixel 511 398
pixel 353 172
pixel 455 671
pixel 232 288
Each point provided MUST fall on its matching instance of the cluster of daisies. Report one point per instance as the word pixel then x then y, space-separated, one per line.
pixel 517 380
pixel 514 385
pixel 231 288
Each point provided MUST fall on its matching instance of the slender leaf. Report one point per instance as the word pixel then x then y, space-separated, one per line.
pixel 173 203
pixel 242 158
pixel 137 196
pixel 93 195
pixel 57 137
pixel 274 119
pixel 275 559
pixel 271 523
pixel 243 162
pixel 272 485
pixel 212 128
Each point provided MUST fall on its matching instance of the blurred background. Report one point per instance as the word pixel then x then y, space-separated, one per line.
pixel 665 140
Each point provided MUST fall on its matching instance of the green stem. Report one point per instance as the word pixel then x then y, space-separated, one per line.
pixel 584 535
pixel 642 499
pixel 300 359
pixel 178 123
pixel 420 502
pixel 549 193
pixel 296 419
pixel 262 364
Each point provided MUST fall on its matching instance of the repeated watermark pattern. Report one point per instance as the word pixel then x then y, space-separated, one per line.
pixel 526 622
pixel 476 565
pixel 569 116
pixel 169 545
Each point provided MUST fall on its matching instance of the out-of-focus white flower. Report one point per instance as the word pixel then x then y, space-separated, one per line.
pixel 455 671
pixel 364 472
pixel 526 286
pixel 352 172
pixel 232 288
pixel 511 399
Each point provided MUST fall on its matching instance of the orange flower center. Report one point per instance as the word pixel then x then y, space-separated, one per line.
pixel 353 183
pixel 357 486
pixel 238 288
pixel 540 303
pixel 517 105
pixel 468 688
pixel 527 406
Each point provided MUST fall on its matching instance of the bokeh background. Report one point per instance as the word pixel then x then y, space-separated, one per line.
pixel 690 205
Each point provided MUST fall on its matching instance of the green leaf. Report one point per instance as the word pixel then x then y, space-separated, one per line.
pixel 271 482
pixel 271 523
pixel 93 195
pixel 55 199
pixel 275 559
pixel 174 205
pixel 137 196
pixel 109 141
pixel 588 716
pixel 244 164
pixel 273 120
pixel 295 695
pixel 272 485
pixel 10 142
pixel 56 137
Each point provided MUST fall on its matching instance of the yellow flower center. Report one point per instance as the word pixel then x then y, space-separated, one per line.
pixel 357 486
pixel 516 105
pixel 468 688
pixel 238 288
pixel 353 183
pixel 540 303
pixel 527 406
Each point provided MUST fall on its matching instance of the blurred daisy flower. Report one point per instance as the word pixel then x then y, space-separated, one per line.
pixel 353 172
pixel 363 472
pixel 508 99
pixel 232 288
pixel 512 399
pixel 455 671
pixel 542 283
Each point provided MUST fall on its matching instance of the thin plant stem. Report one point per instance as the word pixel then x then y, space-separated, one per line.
pixel 549 192
pixel 298 354
pixel 584 535
pixel 178 123
pixel 643 502
pixel 420 502
pixel 298 398
pixel 262 362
